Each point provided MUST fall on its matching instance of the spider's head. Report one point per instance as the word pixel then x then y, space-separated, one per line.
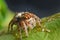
pixel 22 16
pixel 19 16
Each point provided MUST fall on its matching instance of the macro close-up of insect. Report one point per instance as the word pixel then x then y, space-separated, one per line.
pixel 25 20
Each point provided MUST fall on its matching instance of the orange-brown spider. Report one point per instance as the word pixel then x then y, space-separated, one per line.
pixel 25 20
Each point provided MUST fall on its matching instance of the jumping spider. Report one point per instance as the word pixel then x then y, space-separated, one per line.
pixel 25 20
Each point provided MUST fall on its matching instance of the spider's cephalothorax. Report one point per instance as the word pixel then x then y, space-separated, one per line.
pixel 25 20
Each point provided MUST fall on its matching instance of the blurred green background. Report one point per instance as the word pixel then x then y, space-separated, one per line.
pixel 5 14
pixel 51 22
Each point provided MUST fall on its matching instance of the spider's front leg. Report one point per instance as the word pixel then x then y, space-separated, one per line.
pixel 10 26
pixel 25 28
pixel 19 32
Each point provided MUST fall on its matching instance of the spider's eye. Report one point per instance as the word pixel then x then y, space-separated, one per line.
pixel 18 18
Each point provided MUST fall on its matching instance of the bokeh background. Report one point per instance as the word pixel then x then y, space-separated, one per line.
pixel 43 8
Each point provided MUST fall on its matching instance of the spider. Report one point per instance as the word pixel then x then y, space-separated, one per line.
pixel 25 20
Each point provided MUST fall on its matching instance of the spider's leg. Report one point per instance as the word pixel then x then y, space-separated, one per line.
pixel 25 28
pixel 9 26
pixel 19 32
pixel 12 27
pixel 30 26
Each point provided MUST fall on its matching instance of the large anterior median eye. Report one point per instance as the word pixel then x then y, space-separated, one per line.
pixel 18 19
